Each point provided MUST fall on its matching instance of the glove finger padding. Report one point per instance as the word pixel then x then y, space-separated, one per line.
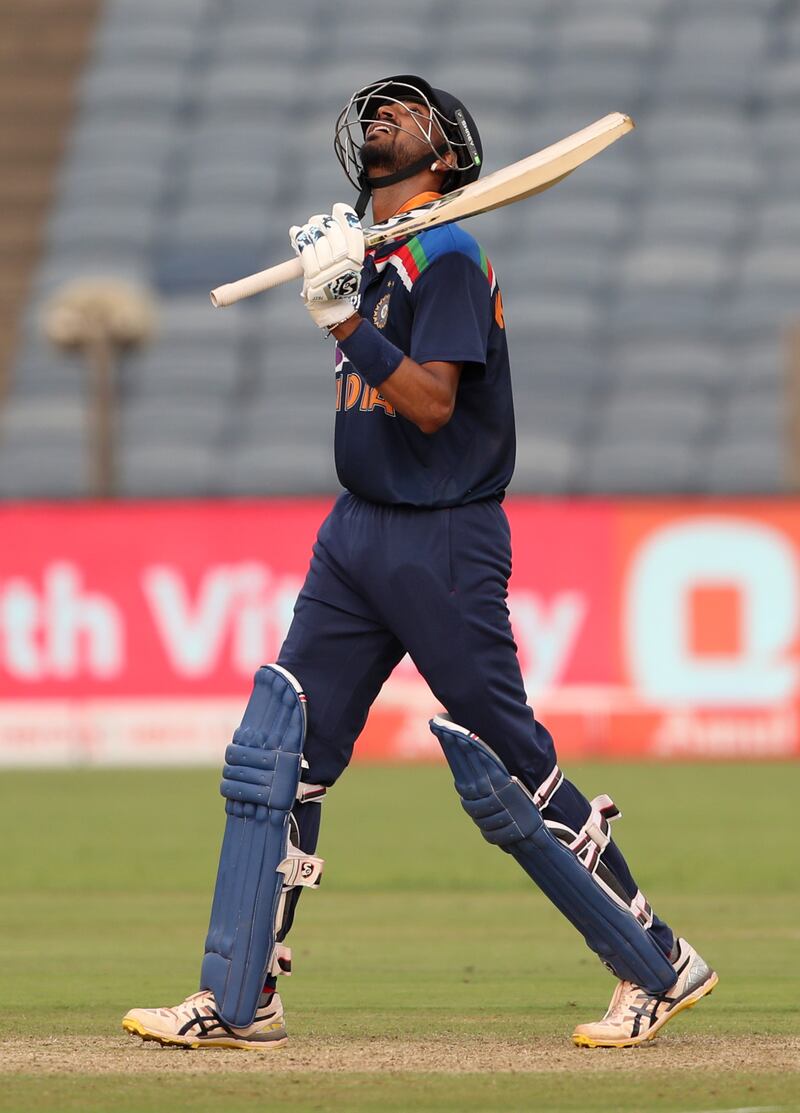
pixel 304 248
pixel 332 247
pixel 302 240
pixel 347 219
pixel 324 256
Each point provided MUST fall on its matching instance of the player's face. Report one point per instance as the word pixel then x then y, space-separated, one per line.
pixel 398 137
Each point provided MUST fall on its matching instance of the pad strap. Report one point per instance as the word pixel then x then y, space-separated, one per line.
pixel 548 788
pixel 642 910
pixel 281 961
pixel 595 835
pixel 301 869
pixel 310 794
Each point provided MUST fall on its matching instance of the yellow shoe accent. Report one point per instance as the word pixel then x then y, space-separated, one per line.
pixel 134 1028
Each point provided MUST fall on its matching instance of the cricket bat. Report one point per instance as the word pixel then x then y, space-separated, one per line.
pixel 522 179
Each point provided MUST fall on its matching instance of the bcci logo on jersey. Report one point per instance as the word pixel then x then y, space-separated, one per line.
pixel 380 314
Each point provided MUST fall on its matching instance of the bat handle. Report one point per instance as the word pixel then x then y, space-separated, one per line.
pixel 256 283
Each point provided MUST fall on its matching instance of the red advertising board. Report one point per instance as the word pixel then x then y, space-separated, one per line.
pixel 129 632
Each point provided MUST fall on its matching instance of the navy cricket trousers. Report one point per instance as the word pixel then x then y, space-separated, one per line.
pixel 388 580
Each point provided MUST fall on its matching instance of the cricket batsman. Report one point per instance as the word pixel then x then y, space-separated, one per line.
pixel 414 557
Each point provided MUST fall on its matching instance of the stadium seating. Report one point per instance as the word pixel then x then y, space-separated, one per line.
pixel 647 298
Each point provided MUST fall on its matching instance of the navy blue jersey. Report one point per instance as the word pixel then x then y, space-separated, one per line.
pixel 436 298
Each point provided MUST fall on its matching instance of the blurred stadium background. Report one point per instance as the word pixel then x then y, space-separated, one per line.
pixel 651 300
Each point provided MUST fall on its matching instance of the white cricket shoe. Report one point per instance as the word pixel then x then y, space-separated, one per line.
pixel 635 1015
pixel 195 1023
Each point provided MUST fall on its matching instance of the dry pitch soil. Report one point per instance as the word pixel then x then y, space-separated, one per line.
pixel 127 1055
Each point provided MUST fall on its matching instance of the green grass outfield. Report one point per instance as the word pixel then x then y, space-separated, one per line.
pixel 424 946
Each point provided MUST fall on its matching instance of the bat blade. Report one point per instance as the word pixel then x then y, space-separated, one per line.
pixel 521 179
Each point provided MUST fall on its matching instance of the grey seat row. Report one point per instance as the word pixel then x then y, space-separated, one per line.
pixel 647 298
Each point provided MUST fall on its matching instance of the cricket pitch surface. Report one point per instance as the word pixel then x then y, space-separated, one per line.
pixel 428 973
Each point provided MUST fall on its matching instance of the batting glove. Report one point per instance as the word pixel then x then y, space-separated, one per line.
pixel 331 249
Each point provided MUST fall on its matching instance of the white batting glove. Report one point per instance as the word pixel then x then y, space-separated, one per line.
pixel 331 249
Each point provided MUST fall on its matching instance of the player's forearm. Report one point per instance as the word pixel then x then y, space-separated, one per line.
pixel 347 328
pixel 422 392
pixel 416 391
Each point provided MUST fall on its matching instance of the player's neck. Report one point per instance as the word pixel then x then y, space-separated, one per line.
pixel 392 199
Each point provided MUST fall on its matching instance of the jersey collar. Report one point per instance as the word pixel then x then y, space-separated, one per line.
pixel 415 202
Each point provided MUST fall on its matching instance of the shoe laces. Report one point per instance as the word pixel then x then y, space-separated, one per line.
pixel 628 995
pixel 201 1002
